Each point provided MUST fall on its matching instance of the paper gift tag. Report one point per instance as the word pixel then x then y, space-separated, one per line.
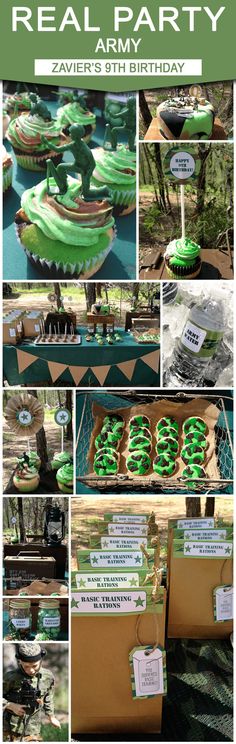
pixel 223 603
pixel 148 671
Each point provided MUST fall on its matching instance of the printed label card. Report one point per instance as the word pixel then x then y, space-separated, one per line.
pixel 148 671
pixel 223 603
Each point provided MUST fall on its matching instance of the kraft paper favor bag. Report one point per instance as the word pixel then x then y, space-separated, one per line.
pixel 102 701
pixel 196 569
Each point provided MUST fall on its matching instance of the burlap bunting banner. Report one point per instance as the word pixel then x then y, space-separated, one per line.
pixel 56 369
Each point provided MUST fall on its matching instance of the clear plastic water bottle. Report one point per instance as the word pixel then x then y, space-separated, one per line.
pixel 199 340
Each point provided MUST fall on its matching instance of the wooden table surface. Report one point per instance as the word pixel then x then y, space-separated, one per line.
pixel 216 264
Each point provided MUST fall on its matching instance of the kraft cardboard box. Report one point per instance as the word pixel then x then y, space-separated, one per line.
pixel 31 323
pixel 102 701
pixel 196 569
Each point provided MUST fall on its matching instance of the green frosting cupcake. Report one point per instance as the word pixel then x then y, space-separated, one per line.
pixel 64 478
pixel 138 462
pixel 183 258
pixel 140 443
pixel 59 459
pixel 25 132
pixel 105 464
pixel 64 234
pixel 193 454
pixel 72 113
pixel 33 459
pixel 117 170
pixel 164 464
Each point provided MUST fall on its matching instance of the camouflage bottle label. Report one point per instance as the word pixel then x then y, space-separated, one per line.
pixel 199 341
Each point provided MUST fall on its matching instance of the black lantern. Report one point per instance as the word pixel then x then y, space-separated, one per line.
pixel 54 525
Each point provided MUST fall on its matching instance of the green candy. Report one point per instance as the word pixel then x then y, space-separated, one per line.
pixel 196 437
pixel 140 443
pixel 193 454
pixel 194 423
pixel 164 465
pixel 167 444
pixel 167 431
pixel 167 421
pixel 138 462
pixel 105 465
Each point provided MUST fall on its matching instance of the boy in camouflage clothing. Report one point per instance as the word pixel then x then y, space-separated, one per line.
pixel 27 692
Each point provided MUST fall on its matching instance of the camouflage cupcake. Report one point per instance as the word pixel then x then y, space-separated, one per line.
pixel 25 133
pixel 182 259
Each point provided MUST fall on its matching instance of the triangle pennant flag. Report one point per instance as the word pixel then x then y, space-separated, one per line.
pixel 127 368
pixel 77 373
pixel 101 372
pixel 24 359
pixel 152 359
pixel 56 369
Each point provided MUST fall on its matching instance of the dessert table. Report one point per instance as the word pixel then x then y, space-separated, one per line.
pixel 119 264
pixel 88 364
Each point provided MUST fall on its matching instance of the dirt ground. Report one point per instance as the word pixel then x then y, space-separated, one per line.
pixel 13 447
pixel 86 509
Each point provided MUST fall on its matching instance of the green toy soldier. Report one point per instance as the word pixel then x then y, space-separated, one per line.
pixel 128 116
pixel 39 107
pixel 80 99
pixel 83 163
pixel 27 692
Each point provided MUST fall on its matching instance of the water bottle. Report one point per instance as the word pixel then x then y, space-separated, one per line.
pixel 193 352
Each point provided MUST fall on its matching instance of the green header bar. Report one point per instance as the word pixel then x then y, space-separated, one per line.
pixel 117 47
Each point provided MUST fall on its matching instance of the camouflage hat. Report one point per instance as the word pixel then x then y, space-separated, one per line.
pixel 30 652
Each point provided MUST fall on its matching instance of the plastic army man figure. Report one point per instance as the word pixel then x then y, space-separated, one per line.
pixel 128 116
pixel 28 691
pixel 83 164
pixel 39 107
pixel 80 99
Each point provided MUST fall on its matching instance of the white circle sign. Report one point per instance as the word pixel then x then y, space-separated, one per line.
pixel 182 165
pixel 25 418
pixel 13 520
pixel 62 417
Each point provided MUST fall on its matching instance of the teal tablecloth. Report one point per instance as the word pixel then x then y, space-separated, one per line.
pixel 119 264
pixel 84 355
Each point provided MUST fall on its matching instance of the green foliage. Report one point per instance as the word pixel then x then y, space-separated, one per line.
pixel 151 219
pixel 49 733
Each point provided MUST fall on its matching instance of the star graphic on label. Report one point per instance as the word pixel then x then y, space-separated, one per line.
pixel 82 583
pixel 105 544
pixel 227 550
pixel 187 549
pixel 139 602
pixel 62 417
pixel 133 582
pixel 187 537
pixel 95 560
pixel 112 529
pixel 143 532
pixel 138 559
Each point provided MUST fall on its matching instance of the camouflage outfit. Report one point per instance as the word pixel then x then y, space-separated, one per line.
pixel 20 688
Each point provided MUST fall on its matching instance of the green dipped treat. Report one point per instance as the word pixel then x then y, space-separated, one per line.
pixel 194 471
pixel 139 431
pixel 107 451
pixel 113 418
pixel 116 429
pixel 193 454
pixel 138 462
pixel 182 258
pixel 107 439
pixel 105 465
pixel 194 423
pixel 167 431
pixel 167 421
pixel 196 437
pixel 140 443
pixel 142 421
pixel 164 465
pixel 167 444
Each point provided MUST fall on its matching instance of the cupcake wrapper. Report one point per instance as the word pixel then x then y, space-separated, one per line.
pixel 7 178
pixel 68 271
pixel 191 275
pixel 32 163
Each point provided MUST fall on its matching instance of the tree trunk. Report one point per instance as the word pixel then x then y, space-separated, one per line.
pixel 147 153
pixel 90 293
pixel 193 506
pixel 144 109
pixel 41 441
pixel 21 520
pixel 210 506
pixel 57 290
pixel 99 290
pixel 69 430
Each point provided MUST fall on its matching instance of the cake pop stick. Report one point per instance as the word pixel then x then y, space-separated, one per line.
pixel 182 211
